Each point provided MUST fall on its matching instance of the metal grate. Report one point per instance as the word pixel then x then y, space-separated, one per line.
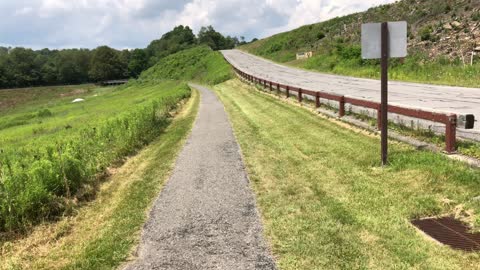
pixel 449 231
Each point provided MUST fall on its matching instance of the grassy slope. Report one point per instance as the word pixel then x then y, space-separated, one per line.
pixel 11 98
pixel 325 201
pixel 336 43
pixel 199 64
pixel 22 124
pixel 101 234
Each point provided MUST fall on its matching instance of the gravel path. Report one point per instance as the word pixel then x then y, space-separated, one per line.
pixel 205 217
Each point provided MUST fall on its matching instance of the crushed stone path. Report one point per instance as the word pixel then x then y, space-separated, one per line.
pixel 206 216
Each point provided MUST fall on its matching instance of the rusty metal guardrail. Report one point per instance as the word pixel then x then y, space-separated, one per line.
pixel 450 120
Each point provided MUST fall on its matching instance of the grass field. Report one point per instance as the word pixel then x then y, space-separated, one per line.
pixel 325 201
pixel 54 151
pixel 75 184
pixel 102 233
pixel 49 113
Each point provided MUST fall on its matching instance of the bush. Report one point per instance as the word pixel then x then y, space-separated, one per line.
pixel 274 48
pixel 44 113
pixel 320 35
pixel 476 16
pixel 349 52
pixel 426 33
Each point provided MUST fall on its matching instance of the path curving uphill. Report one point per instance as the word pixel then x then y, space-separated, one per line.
pixel 206 216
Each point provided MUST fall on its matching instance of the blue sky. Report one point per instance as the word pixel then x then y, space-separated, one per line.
pixel 134 23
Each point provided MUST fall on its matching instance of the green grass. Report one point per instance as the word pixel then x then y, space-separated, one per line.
pixel 12 98
pixel 74 188
pixel 53 150
pixel 23 124
pixel 102 233
pixel 52 153
pixel 326 202
pixel 199 64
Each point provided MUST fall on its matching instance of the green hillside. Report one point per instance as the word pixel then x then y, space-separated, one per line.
pixel 441 36
pixel 200 64
pixel 42 137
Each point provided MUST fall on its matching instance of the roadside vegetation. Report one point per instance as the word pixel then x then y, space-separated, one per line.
pixel 61 163
pixel 23 67
pixel 328 204
pixel 53 150
pixel 441 36
pixel 51 155
pixel 200 64
pixel 101 234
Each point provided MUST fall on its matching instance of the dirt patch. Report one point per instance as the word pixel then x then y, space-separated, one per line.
pixel 75 92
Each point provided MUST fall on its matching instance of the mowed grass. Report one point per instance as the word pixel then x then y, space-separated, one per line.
pixel 48 113
pixel 327 203
pixel 103 233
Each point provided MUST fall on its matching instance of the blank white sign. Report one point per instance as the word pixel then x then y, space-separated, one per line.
pixel 372 40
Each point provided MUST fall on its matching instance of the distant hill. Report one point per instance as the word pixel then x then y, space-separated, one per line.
pixel 440 31
pixel 446 27
pixel 200 64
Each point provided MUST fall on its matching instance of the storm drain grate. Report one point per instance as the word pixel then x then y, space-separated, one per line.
pixel 449 231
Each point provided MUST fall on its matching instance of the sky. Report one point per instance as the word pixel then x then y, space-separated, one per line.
pixel 126 24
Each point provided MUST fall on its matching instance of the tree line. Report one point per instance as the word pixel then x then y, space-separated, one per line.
pixel 23 67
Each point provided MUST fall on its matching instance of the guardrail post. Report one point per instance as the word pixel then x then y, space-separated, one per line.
pixel 271 87
pixel 300 95
pixel 451 134
pixel 341 107
pixel 278 88
pixel 287 91
pixel 317 100
pixel 264 84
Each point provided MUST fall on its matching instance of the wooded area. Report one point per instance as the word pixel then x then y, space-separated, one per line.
pixel 22 67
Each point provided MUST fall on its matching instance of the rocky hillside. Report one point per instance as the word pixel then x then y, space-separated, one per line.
pixel 437 28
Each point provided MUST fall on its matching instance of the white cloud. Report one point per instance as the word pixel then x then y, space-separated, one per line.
pixel 312 11
pixel 23 11
pixel 134 23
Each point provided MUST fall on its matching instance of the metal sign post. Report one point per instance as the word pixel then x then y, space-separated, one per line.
pixel 384 94
pixel 384 40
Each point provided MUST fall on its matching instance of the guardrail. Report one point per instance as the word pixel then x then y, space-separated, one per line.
pixel 451 121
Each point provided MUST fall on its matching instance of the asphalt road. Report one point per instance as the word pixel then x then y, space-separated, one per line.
pixel 445 99
pixel 205 217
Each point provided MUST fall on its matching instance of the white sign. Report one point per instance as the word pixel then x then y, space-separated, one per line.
pixel 372 40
